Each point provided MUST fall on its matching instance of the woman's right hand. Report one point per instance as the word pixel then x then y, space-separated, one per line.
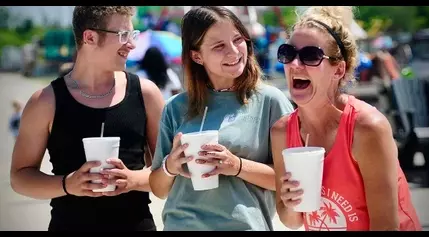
pixel 79 183
pixel 177 158
pixel 290 198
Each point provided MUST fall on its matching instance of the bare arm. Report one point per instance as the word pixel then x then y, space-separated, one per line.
pixel 160 182
pixel 154 103
pixel 376 153
pixel 288 217
pixel 258 174
pixel 25 175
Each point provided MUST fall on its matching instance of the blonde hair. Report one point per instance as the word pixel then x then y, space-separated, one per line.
pixel 339 19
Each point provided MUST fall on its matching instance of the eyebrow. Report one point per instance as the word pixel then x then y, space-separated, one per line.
pixel 220 41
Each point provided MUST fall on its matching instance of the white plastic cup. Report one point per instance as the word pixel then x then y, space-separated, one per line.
pixel 101 149
pixel 195 141
pixel 306 166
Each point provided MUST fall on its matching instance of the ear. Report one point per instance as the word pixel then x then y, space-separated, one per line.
pixel 196 57
pixel 90 37
pixel 340 72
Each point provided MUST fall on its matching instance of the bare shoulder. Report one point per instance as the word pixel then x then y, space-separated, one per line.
pixel 39 112
pixel 149 89
pixel 42 100
pixel 371 122
pixel 152 97
pixel 279 127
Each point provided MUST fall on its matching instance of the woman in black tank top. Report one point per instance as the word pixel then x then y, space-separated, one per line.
pixel 72 108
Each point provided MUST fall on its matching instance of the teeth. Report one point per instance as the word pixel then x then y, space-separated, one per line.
pixel 301 78
pixel 123 54
pixel 233 63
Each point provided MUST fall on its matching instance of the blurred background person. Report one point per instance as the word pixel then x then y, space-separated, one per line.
pixel 154 66
pixel 15 119
pixel 29 56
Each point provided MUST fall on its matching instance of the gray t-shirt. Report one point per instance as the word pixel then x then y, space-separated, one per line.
pixel 245 131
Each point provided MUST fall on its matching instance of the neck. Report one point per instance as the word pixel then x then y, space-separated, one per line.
pixel 318 119
pixel 89 76
pixel 221 83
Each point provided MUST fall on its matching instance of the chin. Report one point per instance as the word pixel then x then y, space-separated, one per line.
pixel 237 73
pixel 302 99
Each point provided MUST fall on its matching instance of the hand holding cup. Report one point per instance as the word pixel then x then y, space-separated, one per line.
pixel 290 198
pixel 80 182
pixel 177 158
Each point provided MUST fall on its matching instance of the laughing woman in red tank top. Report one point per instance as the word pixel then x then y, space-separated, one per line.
pixel 363 186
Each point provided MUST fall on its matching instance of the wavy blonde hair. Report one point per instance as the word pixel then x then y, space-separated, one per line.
pixel 339 19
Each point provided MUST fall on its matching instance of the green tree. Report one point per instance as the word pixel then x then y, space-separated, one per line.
pixel 288 14
pixel 26 27
pixel 4 17
pixel 393 18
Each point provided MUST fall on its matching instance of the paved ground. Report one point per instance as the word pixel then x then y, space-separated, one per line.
pixel 21 213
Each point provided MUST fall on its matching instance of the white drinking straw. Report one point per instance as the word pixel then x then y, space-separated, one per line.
pixel 306 139
pixel 204 118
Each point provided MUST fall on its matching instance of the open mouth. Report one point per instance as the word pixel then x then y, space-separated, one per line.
pixel 233 63
pixel 301 83
pixel 123 54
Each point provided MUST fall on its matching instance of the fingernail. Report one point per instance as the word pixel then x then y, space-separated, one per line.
pixel 190 158
pixel 205 175
pixel 185 145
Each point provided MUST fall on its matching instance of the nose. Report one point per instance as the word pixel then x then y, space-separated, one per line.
pixel 232 50
pixel 131 44
pixel 296 63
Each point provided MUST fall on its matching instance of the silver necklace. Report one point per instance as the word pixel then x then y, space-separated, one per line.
pixel 221 90
pixel 75 85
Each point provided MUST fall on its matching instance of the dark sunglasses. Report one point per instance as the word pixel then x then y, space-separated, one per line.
pixel 309 55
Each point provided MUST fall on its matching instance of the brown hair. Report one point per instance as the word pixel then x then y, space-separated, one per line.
pixel 95 17
pixel 195 24
pixel 339 19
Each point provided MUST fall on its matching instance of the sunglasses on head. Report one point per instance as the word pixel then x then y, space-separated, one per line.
pixel 309 55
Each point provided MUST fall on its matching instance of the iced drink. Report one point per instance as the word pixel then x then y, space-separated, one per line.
pixel 195 141
pixel 306 166
pixel 101 149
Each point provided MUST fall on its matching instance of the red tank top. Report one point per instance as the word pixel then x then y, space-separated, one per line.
pixel 343 197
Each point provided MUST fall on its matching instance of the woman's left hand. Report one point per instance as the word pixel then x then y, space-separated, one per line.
pixel 121 176
pixel 217 155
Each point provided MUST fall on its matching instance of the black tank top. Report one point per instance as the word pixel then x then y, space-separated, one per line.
pixel 74 121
